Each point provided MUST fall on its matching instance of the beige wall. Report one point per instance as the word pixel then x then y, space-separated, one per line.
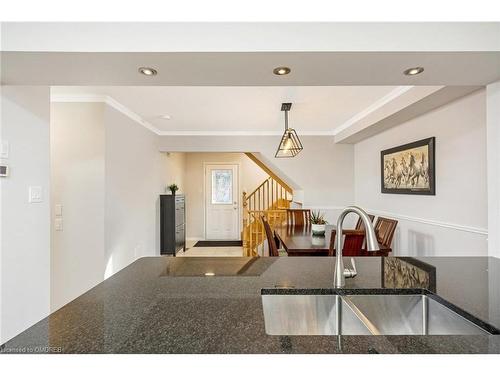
pixel 251 176
pixel 454 221
pixel 174 170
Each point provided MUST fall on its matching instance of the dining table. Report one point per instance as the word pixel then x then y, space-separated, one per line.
pixel 300 241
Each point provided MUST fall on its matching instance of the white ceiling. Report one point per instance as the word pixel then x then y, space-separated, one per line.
pixel 194 109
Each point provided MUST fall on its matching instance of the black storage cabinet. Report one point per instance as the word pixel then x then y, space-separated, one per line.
pixel 172 224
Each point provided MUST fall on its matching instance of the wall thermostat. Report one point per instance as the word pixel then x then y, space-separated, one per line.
pixel 4 170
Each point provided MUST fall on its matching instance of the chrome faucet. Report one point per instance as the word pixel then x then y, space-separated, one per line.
pixel 371 245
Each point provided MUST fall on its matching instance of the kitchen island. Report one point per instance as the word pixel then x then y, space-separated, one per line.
pixel 214 305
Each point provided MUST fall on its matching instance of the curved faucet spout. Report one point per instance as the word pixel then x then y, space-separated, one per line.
pixel 371 243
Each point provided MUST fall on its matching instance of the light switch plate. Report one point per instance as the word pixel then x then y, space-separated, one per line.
pixel 58 224
pixel 35 194
pixel 4 170
pixel 4 150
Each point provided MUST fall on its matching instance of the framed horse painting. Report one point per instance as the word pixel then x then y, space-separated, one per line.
pixel 409 169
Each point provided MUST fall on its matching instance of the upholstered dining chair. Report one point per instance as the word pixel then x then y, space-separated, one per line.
pixel 271 240
pixel 384 229
pixel 353 242
pixel 298 217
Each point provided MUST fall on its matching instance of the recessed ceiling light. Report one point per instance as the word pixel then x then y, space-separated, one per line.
pixel 148 71
pixel 209 274
pixel 165 117
pixel 281 70
pixel 413 71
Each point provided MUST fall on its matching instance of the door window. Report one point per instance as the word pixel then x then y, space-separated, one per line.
pixel 222 186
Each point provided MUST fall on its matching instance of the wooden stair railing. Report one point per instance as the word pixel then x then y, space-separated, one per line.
pixel 254 235
pixel 269 199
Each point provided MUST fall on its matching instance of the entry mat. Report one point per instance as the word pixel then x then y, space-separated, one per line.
pixel 218 243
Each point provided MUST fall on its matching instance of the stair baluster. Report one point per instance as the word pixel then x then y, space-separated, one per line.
pixel 270 199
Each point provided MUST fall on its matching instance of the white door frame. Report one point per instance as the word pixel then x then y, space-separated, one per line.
pixel 240 195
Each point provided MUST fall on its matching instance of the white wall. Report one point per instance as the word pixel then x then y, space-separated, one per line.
pixel 77 183
pixel 107 173
pixel 251 176
pixel 25 240
pixel 133 184
pixel 454 221
pixel 493 131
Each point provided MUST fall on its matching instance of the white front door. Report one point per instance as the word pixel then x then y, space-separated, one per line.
pixel 221 202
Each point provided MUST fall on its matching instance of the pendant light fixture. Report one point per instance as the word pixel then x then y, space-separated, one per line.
pixel 290 144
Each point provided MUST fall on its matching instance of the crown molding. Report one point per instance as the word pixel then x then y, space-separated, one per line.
pixel 398 91
pixel 241 133
pixel 131 114
pixel 91 98
pixel 94 98
pixel 77 98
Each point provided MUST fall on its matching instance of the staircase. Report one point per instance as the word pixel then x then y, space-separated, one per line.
pixel 270 199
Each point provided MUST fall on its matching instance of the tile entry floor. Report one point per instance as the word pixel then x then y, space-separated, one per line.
pixel 191 251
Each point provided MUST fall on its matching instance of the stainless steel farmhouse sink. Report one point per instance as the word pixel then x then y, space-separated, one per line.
pixel 362 314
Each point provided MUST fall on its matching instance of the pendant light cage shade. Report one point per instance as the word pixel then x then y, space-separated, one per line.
pixel 290 144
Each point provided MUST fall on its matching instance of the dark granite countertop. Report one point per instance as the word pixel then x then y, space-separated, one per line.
pixel 174 305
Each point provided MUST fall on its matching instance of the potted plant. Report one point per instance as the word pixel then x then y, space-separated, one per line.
pixel 318 223
pixel 173 188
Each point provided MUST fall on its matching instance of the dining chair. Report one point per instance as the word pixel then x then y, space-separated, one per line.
pixel 360 225
pixel 353 242
pixel 298 217
pixel 384 229
pixel 271 241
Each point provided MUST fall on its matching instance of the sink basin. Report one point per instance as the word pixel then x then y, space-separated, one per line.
pixel 410 315
pixel 374 314
pixel 310 315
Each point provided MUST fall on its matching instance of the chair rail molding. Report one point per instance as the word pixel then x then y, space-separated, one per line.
pixel 443 224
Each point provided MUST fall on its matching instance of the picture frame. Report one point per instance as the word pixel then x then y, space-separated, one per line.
pixel 409 168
